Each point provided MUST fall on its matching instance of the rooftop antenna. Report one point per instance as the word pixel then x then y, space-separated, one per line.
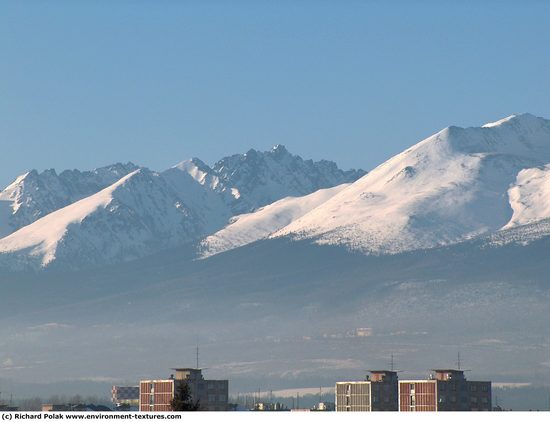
pixel 391 363
pixel 197 357
pixel 458 361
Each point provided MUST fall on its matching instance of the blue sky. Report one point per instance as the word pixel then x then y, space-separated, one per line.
pixel 88 83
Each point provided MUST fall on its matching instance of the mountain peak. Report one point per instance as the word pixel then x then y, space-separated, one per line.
pixel 449 187
pixel 521 119
pixel 199 171
pixel 193 163
pixel 523 135
pixel 279 150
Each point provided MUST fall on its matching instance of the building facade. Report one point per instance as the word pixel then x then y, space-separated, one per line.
pixel 353 396
pixel 418 396
pixel 378 392
pixel 156 395
pixel 446 390
pixel 384 391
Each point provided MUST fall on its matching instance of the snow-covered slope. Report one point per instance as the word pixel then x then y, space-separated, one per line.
pixel 530 196
pixel 33 195
pixel 137 215
pixel 248 228
pixel 450 187
pixel 195 191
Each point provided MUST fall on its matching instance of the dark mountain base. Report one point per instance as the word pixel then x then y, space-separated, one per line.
pixel 279 314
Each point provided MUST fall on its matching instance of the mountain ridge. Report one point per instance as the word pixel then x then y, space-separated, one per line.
pixel 56 231
pixel 34 195
pixel 456 185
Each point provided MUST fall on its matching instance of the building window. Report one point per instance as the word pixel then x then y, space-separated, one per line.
pixel 222 398
pixel 211 397
pixel 484 388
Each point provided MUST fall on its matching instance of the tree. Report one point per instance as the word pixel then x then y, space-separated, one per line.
pixel 183 401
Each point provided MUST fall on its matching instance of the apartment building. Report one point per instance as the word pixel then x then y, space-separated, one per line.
pixel 156 395
pixel 378 392
pixel 445 390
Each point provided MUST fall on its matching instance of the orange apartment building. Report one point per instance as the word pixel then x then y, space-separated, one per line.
pixel 446 390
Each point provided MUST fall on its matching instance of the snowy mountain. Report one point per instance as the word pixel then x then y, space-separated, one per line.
pixel 136 216
pixel 118 213
pixel 255 179
pixel 452 186
pixel 34 195
pixel 459 184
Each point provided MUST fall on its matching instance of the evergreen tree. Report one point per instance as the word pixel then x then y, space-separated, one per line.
pixel 183 401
